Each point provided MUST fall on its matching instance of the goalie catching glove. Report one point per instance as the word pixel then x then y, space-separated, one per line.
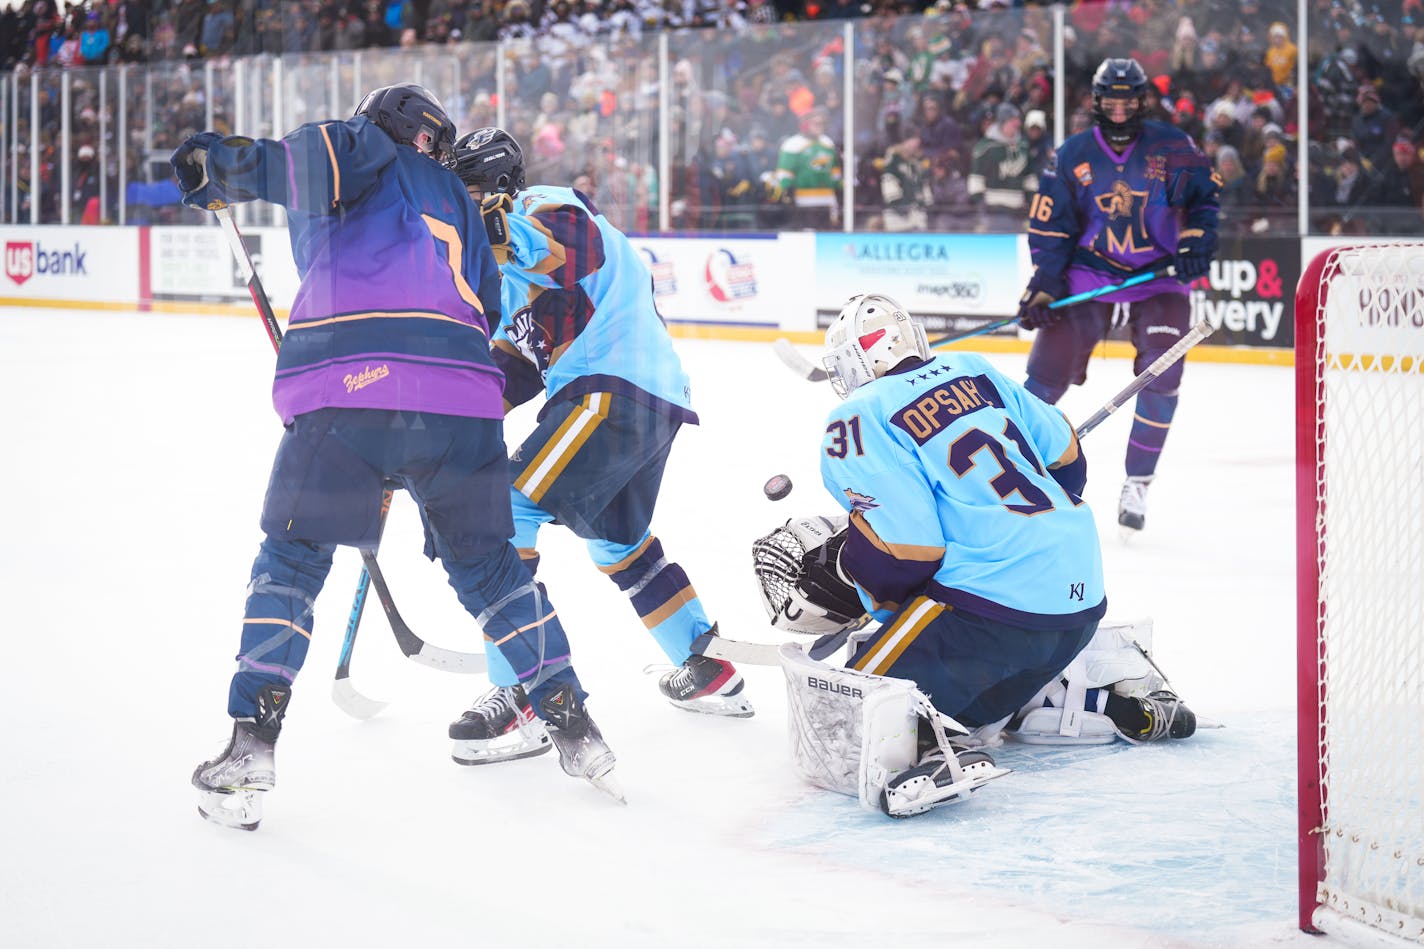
pixel 802 584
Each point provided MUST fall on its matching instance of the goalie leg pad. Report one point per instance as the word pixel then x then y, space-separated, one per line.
pixel 858 734
pixel 1070 710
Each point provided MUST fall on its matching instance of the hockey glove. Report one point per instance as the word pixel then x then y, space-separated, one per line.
pixel 1195 249
pixel 495 210
pixel 190 167
pixel 1043 288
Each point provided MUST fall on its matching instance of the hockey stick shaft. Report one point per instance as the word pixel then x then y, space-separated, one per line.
pixel 249 276
pixel 1195 335
pixel 1086 295
pixel 410 644
pixel 343 693
pixel 804 368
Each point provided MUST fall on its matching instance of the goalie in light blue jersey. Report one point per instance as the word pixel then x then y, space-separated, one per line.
pixel 965 537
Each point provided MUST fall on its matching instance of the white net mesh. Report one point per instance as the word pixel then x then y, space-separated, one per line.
pixel 1369 543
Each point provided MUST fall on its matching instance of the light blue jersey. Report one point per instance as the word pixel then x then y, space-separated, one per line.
pixel 578 307
pixel 945 470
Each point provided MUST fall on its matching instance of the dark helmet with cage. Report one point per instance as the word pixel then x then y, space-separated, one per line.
pixel 490 160
pixel 1120 79
pixel 405 112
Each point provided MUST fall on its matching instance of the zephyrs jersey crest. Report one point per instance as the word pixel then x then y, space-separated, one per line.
pixel 1102 215
pixel 942 468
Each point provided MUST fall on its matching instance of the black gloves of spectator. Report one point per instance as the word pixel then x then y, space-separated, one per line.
pixel 1043 288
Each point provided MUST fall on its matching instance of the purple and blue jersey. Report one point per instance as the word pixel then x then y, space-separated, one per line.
pixel 1101 216
pixel 361 208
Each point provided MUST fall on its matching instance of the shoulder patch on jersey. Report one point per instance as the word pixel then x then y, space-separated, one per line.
pixel 1084 173
pixel 860 502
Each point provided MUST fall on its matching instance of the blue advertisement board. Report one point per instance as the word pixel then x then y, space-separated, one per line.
pixel 951 281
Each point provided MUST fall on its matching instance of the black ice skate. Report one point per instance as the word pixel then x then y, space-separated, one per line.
pixel 230 785
pixel 1157 716
pixel 502 726
pixel 582 751
pixel 707 685
pixel 935 782
pixel 1132 505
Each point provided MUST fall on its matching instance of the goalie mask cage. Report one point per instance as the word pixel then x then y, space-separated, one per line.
pixel 1359 357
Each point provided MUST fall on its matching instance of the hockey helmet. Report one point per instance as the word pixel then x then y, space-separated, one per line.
pixel 1119 79
pixel 406 110
pixel 872 335
pixel 490 160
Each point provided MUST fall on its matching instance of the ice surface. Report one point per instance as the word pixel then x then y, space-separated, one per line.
pixel 137 448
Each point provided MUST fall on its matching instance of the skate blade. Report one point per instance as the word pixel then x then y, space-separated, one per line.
pixel 609 785
pixel 240 810
pixel 726 706
pixel 915 798
pixel 477 753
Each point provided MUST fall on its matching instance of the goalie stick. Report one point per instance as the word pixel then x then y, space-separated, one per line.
pixel 410 644
pixel 803 367
pixel 766 654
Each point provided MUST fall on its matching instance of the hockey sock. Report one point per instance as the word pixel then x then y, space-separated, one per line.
pixel 1150 423
pixel 659 590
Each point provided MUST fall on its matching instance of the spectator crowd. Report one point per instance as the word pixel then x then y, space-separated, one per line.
pixel 952 123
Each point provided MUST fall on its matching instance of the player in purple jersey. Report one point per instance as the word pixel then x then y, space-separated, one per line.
pixel 1125 197
pixel 384 375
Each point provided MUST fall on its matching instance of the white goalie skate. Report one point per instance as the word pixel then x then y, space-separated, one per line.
pixel 937 780
pixel 500 727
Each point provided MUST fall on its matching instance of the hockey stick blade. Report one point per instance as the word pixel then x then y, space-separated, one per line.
pixel 748 654
pixel 343 693
pixel 411 645
pixel 353 703
pixel 798 363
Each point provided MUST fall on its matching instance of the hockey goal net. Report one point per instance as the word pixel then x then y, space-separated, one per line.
pixel 1359 326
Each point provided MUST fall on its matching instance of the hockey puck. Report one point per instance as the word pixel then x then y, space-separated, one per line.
pixel 777 487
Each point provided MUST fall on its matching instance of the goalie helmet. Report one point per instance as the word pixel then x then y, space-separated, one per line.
pixel 799 577
pixel 490 160
pixel 872 335
pixel 406 110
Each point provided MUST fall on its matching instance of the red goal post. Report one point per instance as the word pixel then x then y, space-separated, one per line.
pixel 1359 356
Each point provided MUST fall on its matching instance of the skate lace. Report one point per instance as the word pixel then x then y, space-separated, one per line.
pixel 1162 719
pixel 497 705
